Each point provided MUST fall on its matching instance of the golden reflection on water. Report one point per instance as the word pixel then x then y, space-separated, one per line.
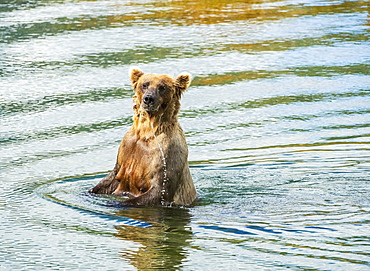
pixel 211 12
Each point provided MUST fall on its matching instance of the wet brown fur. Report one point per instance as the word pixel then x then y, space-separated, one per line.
pixel 152 161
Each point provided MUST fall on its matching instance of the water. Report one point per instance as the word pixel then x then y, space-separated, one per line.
pixel 277 121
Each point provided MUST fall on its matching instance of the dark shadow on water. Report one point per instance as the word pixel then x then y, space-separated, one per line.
pixel 227 230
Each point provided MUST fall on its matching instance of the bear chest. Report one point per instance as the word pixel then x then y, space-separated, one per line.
pixel 140 164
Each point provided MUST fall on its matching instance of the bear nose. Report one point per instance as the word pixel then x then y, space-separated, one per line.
pixel 148 99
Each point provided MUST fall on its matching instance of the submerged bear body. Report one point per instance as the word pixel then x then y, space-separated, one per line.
pixel 152 161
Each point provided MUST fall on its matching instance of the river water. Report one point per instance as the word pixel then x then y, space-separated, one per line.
pixel 277 121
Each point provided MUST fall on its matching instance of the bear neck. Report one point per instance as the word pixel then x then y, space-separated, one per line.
pixel 148 125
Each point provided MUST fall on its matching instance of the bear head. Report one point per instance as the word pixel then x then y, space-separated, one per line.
pixel 157 94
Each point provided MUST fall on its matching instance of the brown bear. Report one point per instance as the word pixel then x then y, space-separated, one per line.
pixel 152 161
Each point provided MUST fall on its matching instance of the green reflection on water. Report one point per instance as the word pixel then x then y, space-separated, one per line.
pixel 53 101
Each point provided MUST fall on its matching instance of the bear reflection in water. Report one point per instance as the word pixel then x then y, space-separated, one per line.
pixel 164 246
pixel 152 161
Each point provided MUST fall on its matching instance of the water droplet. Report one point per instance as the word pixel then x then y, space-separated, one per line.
pixel 163 191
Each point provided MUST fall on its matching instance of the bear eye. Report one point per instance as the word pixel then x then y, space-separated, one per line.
pixel 145 86
pixel 161 88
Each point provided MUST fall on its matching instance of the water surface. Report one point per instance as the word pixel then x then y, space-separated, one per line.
pixel 277 121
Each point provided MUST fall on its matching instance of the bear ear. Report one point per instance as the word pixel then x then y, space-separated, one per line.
pixel 134 74
pixel 183 81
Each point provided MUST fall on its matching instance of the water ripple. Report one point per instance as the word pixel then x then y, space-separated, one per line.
pixel 276 119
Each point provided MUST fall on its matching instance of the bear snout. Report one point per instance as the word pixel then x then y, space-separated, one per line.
pixel 150 102
pixel 148 99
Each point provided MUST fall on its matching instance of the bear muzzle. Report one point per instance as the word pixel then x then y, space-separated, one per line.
pixel 148 99
pixel 149 103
